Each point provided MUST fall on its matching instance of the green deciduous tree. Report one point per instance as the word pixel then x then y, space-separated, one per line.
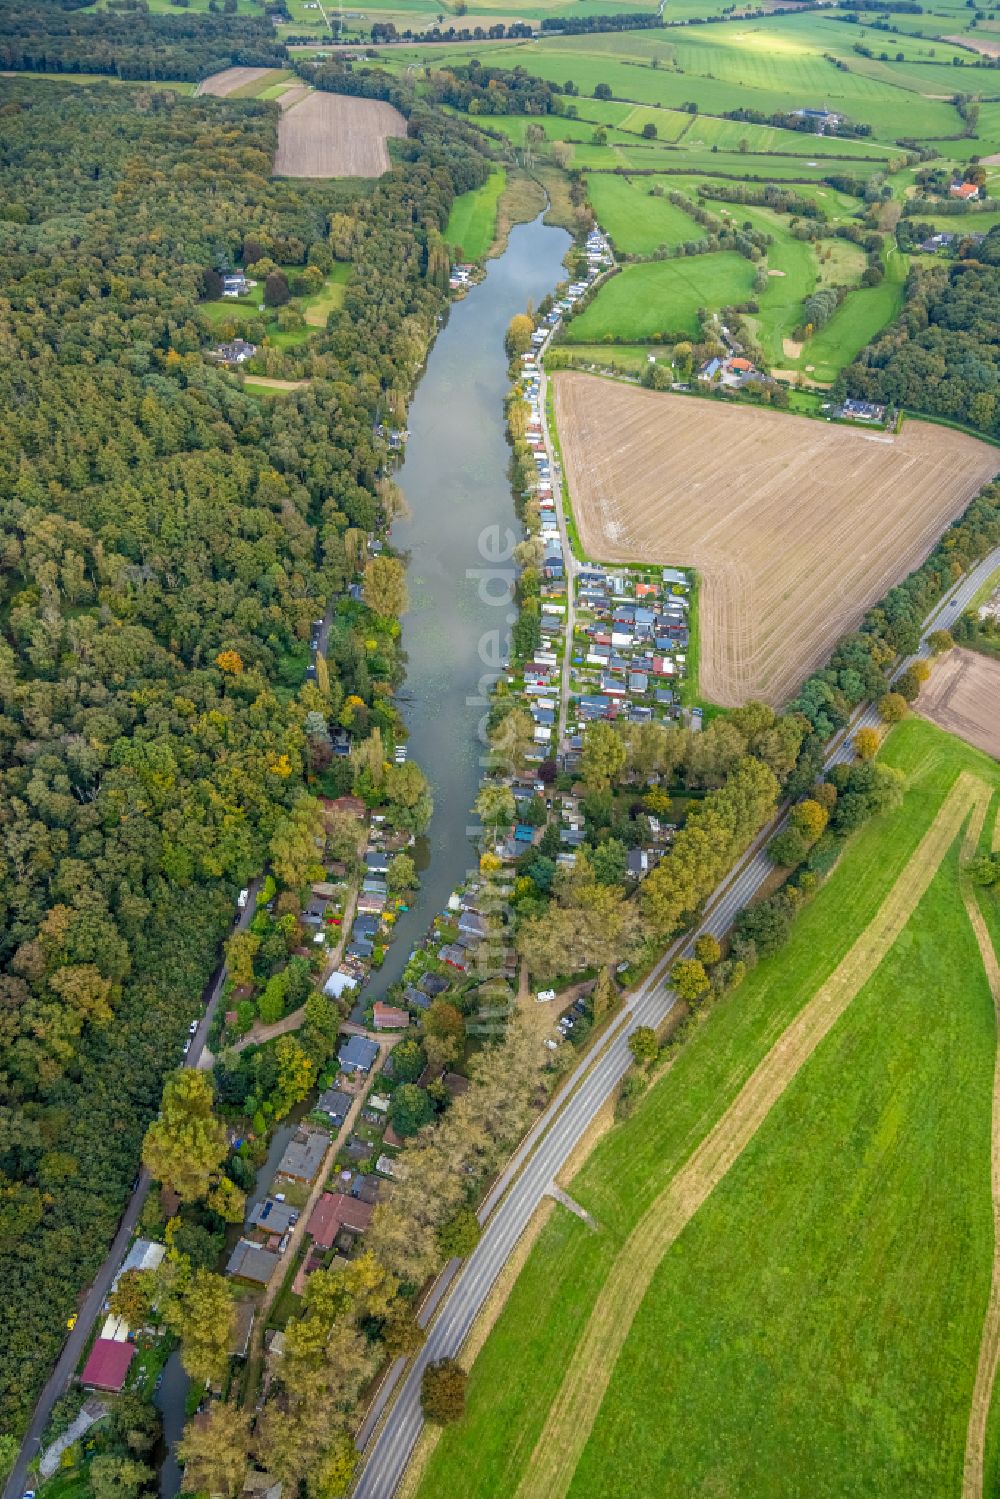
pixel 118 1477
pixel 410 1109
pixel 297 842
pixel 788 848
pixel 442 1392
pixel 603 756
pixel 402 874
pixel 643 1045
pixel 459 1236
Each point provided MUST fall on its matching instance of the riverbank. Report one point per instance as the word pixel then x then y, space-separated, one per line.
pixel 459 537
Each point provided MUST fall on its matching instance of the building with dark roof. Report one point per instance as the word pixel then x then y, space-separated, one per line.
pixel 358 1054
pixel 252 1263
pixel 335 1103
pixel 304 1156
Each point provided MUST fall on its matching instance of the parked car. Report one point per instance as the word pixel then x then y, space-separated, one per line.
pixel 544 996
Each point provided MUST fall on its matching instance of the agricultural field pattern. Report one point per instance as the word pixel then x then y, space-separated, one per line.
pixel 777 1264
pixel 766 506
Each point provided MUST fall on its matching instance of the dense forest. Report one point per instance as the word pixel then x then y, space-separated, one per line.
pixel 480 90
pixel 943 354
pixel 167 541
pixel 132 43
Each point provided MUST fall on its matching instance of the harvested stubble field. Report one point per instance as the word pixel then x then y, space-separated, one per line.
pixel 223 85
pixel 796 526
pixel 963 696
pixel 331 135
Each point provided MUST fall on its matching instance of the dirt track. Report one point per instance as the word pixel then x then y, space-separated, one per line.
pixel 331 135
pixel 571 1417
pixel 989 1345
pixel 963 696
pixel 796 526
pixel 221 85
pixel 987 46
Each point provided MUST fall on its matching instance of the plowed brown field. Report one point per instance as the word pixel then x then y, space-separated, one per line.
pixel 796 526
pixel 963 696
pixel 332 135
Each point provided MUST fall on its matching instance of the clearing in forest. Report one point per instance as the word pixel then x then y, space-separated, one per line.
pixel 236 80
pixel 804 1198
pixel 797 526
pixel 963 696
pixel 332 135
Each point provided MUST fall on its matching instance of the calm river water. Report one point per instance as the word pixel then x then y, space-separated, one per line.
pixel 462 517
pixel 455 481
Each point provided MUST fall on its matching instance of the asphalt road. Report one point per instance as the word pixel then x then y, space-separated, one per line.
pixel 93 1302
pixel 521 1188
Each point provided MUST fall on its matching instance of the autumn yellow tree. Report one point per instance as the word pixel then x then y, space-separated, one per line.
pixel 809 819
pixel 866 743
pixel 213 1451
pixel 518 336
pixel 198 1306
pixel 385 587
pixel 185 1145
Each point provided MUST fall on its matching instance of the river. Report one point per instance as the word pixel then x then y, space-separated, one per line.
pixel 455 480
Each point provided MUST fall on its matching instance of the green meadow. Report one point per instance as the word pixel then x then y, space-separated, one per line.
pixel 862 314
pixel 662 297
pixel 638 222
pixel 473 219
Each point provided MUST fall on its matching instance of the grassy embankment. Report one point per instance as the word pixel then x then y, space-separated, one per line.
pixel 816 1326
pixel 472 222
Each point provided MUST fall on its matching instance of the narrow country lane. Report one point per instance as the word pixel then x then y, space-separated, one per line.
pixel 92 1304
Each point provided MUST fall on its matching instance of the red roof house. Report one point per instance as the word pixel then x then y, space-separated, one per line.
pixel 107 1365
pixel 333 1212
pixel 388 1018
pixel 964 190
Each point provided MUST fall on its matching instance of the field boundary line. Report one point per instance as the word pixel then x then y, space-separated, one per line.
pixel 973 1472
pixel 573 1412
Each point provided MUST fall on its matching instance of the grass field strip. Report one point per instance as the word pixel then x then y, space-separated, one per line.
pixel 571 1417
pixel 989 1346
